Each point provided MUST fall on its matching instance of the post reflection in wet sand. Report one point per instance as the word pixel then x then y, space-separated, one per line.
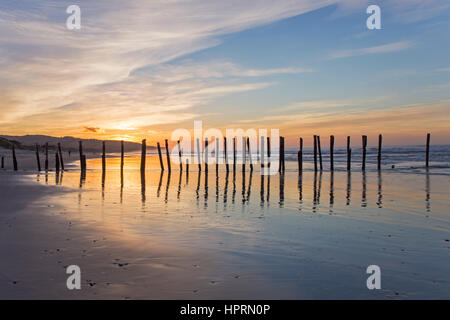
pixel 281 200
pixel 427 191
pixel 380 190
pixel 364 190
pixel 143 199
pixel 349 188
pixel 300 191
pixel 158 191
pixel 166 196
pixel 331 191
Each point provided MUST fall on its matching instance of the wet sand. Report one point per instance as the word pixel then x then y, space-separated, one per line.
pixel 245 237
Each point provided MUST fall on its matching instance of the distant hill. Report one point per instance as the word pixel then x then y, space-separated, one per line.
pixel 28 142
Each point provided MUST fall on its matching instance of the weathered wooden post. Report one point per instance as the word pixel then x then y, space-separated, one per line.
pixel 300 157
pixel 46 157
pixel 280 151
pixel 56 162
pixel 169 167
pixel 349 155
pixel 80 149
pixel 269 152
pixel 199 156
pixel 315 153
pixel 14 157
pixel 320 153
pixel 234 154
pixel 206 153
pixel 143 155
pixel 122 154
pixel 243 153
pixel 217 155
pixel 103 156
pixel 225 153
pixel 262 153
pixel 179 156
pixel 364 152
pixel 250 154
pixel 61 161
pixel 332 153
pixel 84 163
pixel 380 142
pixel 427 156
pixel 283 167
pixel 3 162
pixel 37 158
pixel 160 156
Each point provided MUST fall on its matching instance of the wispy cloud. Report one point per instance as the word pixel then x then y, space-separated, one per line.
pixel 385 48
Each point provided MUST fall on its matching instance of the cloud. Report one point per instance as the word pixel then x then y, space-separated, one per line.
pixel 91 129
pixel 114 72
pixel 385 48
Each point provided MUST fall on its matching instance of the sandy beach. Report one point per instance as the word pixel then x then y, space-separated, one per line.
pixel 241 237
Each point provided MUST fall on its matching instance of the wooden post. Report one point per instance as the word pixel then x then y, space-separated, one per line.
pixel 160 156
pixel 206 155
pixel 364 151
pixel 143 155
pixel 61 161
pixel 14 157
pixel 122 153
pixel 250 154
pixel 280 151
pixel 46 157
pixel 103 156
pixel 380 142
pixel 56 162
pixel 262 153
pixel 349 155
pixel 217 155
pixel 179 156
pixel 3 162
pixel 80 149
pixel 300 157
pixel 283 167
pixel 320 153
pixel 169 167
pixel 269 152
pixel 332 153
pixel 427 156
pixel 199 156
pixel 243 153
pixel 315 153
pixel 234 154
pixel 225 153
pixel 83 160
pixel 37 158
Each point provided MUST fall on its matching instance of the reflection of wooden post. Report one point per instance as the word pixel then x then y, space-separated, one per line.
pixel 225 153
pixel 37 158
pixel 380 142
pixel 160 156
pixel 14 157
pixel 300 157
pixel 122 154
pixel 61 161
pixel 46 157
pixel 364 151
pixel 103 156
pixel 179 156
pixel 199 156
pixel 427 160
pixel 332 153
pixel 250 154
pixel 315 153
pixel 56 162
pixel 349 155
pixel 169 167
pixel 320 153
pixel 143 155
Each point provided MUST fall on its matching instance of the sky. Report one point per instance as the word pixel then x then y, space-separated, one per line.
pixel 141 69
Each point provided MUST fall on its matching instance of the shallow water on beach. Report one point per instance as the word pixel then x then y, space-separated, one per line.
pixel 307 236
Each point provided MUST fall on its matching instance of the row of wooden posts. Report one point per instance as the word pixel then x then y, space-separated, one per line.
pixel 318 163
